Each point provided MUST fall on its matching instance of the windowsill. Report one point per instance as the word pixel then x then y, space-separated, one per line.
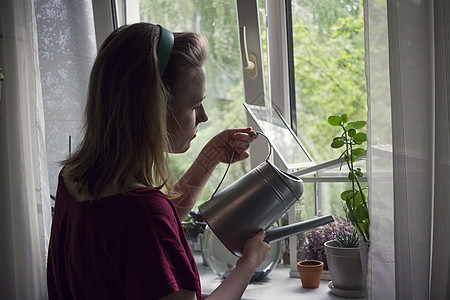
pixel 277 285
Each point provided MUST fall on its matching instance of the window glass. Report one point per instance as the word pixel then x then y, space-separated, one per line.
pixel 329 68
pixel 215 19
pixel 328 39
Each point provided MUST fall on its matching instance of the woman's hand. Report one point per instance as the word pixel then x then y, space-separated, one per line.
pixel 220 147
pixel 255 251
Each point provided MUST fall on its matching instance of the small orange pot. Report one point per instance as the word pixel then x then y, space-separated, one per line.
pixel 310 272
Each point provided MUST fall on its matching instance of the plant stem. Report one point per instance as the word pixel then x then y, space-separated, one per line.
pixel 349 158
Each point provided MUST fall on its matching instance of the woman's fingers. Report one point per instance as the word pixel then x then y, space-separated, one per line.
pixel 241 141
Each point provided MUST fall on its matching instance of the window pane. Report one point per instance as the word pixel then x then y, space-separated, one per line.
pixel 328 38
pixel 224 103
pixel 329 68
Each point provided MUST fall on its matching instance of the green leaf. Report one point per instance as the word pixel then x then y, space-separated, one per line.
pixel 351 132
pixel 361 213
pixel 346 157
pixel 359 173
pixel 344 118
pixel 358 198
pixel 351 176
pixel 346 194
pixel 350 158
pixel 359 124
pixel 337 143
pixel 334 120
pixel 349 125
pixel 358 151
pixel 360 137
pixel 350 212
pixel 364 228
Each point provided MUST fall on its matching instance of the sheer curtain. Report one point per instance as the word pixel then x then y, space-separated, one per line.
pixel 408 78
pixel 25 200
pixel 67 49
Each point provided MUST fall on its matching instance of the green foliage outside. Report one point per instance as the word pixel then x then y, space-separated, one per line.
pixel 329 73
pixel 224 88
pixel 329 79
pixel 329 68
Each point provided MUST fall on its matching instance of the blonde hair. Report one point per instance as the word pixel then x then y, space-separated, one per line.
pixel 125 133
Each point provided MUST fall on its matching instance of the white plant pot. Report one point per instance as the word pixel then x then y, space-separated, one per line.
pixel 347 278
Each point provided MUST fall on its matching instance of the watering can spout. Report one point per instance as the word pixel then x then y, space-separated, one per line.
pixel 280 233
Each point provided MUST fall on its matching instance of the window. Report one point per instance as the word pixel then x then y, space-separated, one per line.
pixel 328 59
pixel 320 46
pixel 311 58
pixel 316 69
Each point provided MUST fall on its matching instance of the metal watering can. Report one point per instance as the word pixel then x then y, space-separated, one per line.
pixel 254 202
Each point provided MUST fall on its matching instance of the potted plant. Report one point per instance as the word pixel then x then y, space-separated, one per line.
pixel 193 226
pixel 355 197
pixel 310 272
pixel 313 243
pixel 345 262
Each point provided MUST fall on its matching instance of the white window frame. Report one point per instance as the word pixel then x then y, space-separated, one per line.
pixel 278 75
pixel 104 20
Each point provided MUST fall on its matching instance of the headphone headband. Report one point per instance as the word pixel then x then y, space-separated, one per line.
pixel 164 50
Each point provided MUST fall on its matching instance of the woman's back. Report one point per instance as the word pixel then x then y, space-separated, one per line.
pixel 122 246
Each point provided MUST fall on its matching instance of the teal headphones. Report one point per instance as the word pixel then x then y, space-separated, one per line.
pixel 164 50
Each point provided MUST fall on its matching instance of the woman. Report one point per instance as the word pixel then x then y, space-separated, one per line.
pixel 116 231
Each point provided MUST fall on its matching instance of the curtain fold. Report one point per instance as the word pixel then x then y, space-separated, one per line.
pixel 381 277
pixel 25 214
pixel 407 64
pixel 411 79
pixel 440 266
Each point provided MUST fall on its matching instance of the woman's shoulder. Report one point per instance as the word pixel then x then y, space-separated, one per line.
pixel 150 207
pixel 153 201
pixel 146 195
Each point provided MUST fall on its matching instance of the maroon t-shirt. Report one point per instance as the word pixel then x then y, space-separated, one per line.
pixel 128 246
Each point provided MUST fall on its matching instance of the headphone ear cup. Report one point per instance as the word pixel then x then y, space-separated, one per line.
pixel 164 50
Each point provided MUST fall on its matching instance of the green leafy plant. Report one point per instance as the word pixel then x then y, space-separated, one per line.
pixel 341 230
pixel 347 239
pixel 355 198
pixel 193 225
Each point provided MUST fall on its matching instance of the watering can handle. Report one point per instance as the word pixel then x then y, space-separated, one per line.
pixel 280 233
pixel 270 144
pixel 232 157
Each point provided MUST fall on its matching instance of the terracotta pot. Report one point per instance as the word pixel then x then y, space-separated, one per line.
pixel 310 272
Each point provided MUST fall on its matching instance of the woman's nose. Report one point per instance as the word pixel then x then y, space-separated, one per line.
pixel 202 116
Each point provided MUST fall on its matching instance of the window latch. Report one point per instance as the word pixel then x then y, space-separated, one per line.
pixel 248 59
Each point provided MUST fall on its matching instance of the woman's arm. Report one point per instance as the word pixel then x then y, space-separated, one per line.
pixel 232 288
pixel 218 149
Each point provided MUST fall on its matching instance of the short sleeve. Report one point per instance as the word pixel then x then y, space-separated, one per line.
pixel 159 261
